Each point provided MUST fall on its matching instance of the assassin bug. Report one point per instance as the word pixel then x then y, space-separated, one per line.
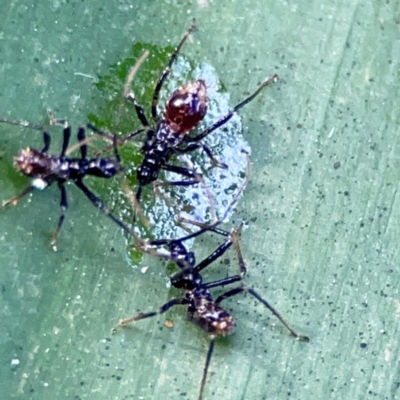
pixel 203 309
pixel 184 110
pixel 46 169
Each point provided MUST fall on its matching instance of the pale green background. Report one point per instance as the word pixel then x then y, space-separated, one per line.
pixel 323 242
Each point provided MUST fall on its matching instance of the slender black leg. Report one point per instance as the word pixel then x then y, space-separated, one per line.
pixel 131 135
pixel 67 135
pixel 194 146
pixel 97 202
pixel 164 308
pixel 139 195
pixel 94 129
pixel 180 170
pixel 178 183
pixel 219 252
pixel 167 71
pixel 116 153
pixel 46 141
pixel 81 137
pixel 128 92
pixel 204 227
pixel 139 109
pixel 241 289
pixel 206 366
pixel 224 281
pixel 109 136
pixel 215 162
pixel 230 114
pixel 112 137
pixel 15 199
pixel 63 207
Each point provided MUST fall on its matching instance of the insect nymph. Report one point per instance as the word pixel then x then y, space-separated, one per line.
pixel 45 169
pixel 171 133
pixel 202 308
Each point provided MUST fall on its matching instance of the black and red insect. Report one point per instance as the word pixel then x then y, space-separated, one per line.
pixel 202 308
pixel 45 169
pixel 184 111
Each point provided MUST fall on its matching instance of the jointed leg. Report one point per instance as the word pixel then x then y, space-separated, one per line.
pixel 205 227
pixel 139 109
pixel 63 207
pixel 26 124
pixel 97 202
pixel 129 94
pixel 136 207
pixel 164 308
pixel 15 199
pixel 194 146
pixel 66 137
pixel 177 183
pixel 185 171
pixel 230 114
pixel 215 162
pixel 86 140
pixel 196 178
pixel 223 282
pixel 66 134
pixel 23 123
pixel 112 137
pixel 131 135
pixel 167 71
pixel 206 366
pixel 219 252
pixel 81 137
pixel 241 289
pixel 236 243
pixel 46 141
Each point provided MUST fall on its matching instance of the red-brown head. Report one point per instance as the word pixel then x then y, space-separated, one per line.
pixel 186 107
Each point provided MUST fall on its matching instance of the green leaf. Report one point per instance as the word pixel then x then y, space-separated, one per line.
pixel 322 205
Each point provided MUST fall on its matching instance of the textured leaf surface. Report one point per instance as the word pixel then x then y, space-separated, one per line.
pixel 323 207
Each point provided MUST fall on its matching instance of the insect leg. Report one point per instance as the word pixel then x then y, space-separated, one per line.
pixel 167 71
pixel 130 95
pixel 81 137
pixel 164 308
pixel 46 141
pixel 206 366
pixel 241 289
pixel 219 252
pixel 182 171
pixel 194 146
pixel 63 207
pixel 66 134
pixel 15 199
pixel 230 114
pixel 139 109
pixel 97 202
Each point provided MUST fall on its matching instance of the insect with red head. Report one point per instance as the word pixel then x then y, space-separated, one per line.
pixel 184 111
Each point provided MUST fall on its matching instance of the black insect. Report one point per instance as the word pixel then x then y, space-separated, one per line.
pixel 203 309
pixel 184 111
pixel 45 169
